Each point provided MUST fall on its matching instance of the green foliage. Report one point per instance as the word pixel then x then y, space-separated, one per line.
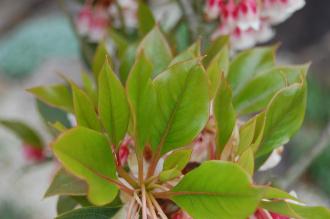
pixel 201 188
pixel 58 96
pixel 65 183
pixel 146 20
pixel 224 114
pixel 90 213
pixel 89 157
pixel 113 106
pixel 162 104
pixel 182 94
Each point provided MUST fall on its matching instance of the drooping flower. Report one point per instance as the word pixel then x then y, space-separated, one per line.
pixel 249 22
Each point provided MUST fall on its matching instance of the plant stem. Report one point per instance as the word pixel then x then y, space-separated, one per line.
pixel 144 203
pixel 159 209
pixel 151 207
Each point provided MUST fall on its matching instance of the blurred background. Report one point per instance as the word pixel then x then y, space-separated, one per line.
pixel 37 42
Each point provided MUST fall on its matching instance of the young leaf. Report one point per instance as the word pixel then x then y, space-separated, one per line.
pixel 113 106
pixel 217 189
pixel 89 87
pixel 156 49
pixel 65 183
pixel 246 135
pixel 126 62
pixel 90 213
pixel 246 161
pixel 224 114
pixel 284 116
pixel 86 154
pixel 174 164
pixel 65 203
pixel 249 63
pixel 142 99
pixel 99 59
pixel 56 95
pixel 257 93
pixel 84 109
pixel 26 134
pixel 214 48
pixel 218 65
pixel 194 51
pixel 146 20
pixel 183 105
pixel 295 210
pixel 178 159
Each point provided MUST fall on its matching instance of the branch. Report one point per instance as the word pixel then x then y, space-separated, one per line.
pixel 296 170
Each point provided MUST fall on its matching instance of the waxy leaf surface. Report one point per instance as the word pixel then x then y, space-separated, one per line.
pixel 87 154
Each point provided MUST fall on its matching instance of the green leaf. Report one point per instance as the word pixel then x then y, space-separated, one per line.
pixel 276 194
pixel 249 63
pixel 224 113
pixel 113 106
pixel 218 65
pixel 90 213
pixel 65 183
pixel 156 50
pixel 174 164
pixel 89 87
pixel 214 48
pixel 99 59
pixel 23 131
pixel 246 135
pixel 65 203
pixel 246 161
pixel 217 189
pixel 183 105
pixel 86 154
pixel 146 20
pixel 56 95
pixel 142 99
pixel 84 109
pixel 170 174
pixel 194 51
pixel 283 117
pixel 296 211
pixel 178 159
pixel 126 62
pixel 257 92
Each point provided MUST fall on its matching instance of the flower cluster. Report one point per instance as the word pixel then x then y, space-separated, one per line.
pixel 92 21
pixel 249 22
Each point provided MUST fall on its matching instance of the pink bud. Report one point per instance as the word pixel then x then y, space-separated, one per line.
pixel 32 153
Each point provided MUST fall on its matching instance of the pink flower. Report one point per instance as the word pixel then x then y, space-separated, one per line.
pixel 248 22
pixel 98 25
pixel 277 11
pixel 247 15
pixel 32 153
pixel 84 19
pixel 277 216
